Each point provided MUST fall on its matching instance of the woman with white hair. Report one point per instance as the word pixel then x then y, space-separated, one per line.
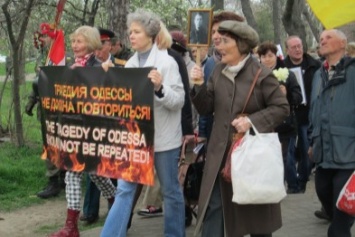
pixel 168 101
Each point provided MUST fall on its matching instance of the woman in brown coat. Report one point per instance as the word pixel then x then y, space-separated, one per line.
pixel 224 96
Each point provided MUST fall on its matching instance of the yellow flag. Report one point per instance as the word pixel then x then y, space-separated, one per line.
pixel 333 13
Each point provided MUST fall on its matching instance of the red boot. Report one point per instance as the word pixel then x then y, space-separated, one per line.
pixel 70 228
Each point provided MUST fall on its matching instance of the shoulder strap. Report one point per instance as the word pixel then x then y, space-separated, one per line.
pixel 251 88
pixel 182 159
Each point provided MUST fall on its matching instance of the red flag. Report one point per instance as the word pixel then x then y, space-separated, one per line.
pixel 57 52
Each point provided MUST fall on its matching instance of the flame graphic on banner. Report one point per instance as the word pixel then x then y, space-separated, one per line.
pixel 128 170
pixel 109 166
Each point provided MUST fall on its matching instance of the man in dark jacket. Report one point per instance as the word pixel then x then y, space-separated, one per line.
pixel 332 128
pixel 46 37
pixel 120 51
pixel 297 58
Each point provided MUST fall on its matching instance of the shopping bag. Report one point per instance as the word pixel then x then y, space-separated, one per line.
pixel 258 170
pixel 346 199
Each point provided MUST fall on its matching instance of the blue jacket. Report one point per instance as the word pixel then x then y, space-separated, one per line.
pixel 332 116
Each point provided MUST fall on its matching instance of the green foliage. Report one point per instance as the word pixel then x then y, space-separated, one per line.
pixel 263 18
pixel 2 69
pixel 30 67
pixel 22 170
pixel 172 13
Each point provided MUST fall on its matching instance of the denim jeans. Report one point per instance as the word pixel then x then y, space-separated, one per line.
pixel 166 165
pixel 298 178
pixel 304 167
pixel 290 168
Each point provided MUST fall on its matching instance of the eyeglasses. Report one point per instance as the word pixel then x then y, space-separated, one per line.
pixel 298 46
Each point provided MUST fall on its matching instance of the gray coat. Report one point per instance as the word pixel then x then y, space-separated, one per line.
pixel 332 117
pixel 267 108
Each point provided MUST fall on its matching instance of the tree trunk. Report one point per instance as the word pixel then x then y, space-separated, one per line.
pixel 217 4
pixel 248 13
pixel 93 12
pixel 16 48
pixel 292 20
pixel 276 21
pixel 117 20
pixel 312 22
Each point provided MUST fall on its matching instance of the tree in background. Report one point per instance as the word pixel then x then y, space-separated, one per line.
pixel 292 20
pixel 276 20
pixel 217 4
pixel 16 17
pixel 117 18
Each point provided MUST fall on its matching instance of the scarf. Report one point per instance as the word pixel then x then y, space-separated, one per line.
pixel 81 61
pixel 232 71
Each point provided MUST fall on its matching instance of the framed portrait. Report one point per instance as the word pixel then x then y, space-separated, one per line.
pixel 199 27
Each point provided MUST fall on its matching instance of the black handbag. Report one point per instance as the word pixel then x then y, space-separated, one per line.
pixel 192 183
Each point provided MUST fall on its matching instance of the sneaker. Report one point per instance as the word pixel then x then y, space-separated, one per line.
pixel 150 211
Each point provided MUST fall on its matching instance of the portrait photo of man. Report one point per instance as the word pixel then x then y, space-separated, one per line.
pixel 198 27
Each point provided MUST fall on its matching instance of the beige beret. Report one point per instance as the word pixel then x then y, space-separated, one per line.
pixel 242 30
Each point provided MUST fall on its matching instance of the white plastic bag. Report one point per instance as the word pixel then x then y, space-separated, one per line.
pixel 258 170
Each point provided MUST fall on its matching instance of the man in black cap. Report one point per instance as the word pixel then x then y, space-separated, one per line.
pixel 43 41
pixel 104 54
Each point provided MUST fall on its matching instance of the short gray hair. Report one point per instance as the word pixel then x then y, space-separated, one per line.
pixel 148 20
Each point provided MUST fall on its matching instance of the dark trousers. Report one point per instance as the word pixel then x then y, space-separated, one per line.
pixel 329 183
pixel 92 197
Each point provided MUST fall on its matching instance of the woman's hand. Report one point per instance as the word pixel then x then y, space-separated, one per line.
pixel 107 65
pixel 196 75
pixel 156 79
pixel 241 124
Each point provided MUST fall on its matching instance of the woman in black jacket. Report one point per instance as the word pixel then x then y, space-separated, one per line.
pixel 267 52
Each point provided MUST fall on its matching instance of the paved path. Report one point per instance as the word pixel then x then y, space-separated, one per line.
pixel 297 213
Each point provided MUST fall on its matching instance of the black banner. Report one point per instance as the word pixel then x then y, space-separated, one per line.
pixel 97 121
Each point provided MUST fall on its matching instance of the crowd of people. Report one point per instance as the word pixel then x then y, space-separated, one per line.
pixel 202 101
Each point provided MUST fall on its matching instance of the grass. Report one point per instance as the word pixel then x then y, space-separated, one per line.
pixel 2 69
pixel 29 68
pixel 22 170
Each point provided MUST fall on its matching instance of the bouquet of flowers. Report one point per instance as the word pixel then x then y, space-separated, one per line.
pixel 281 74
